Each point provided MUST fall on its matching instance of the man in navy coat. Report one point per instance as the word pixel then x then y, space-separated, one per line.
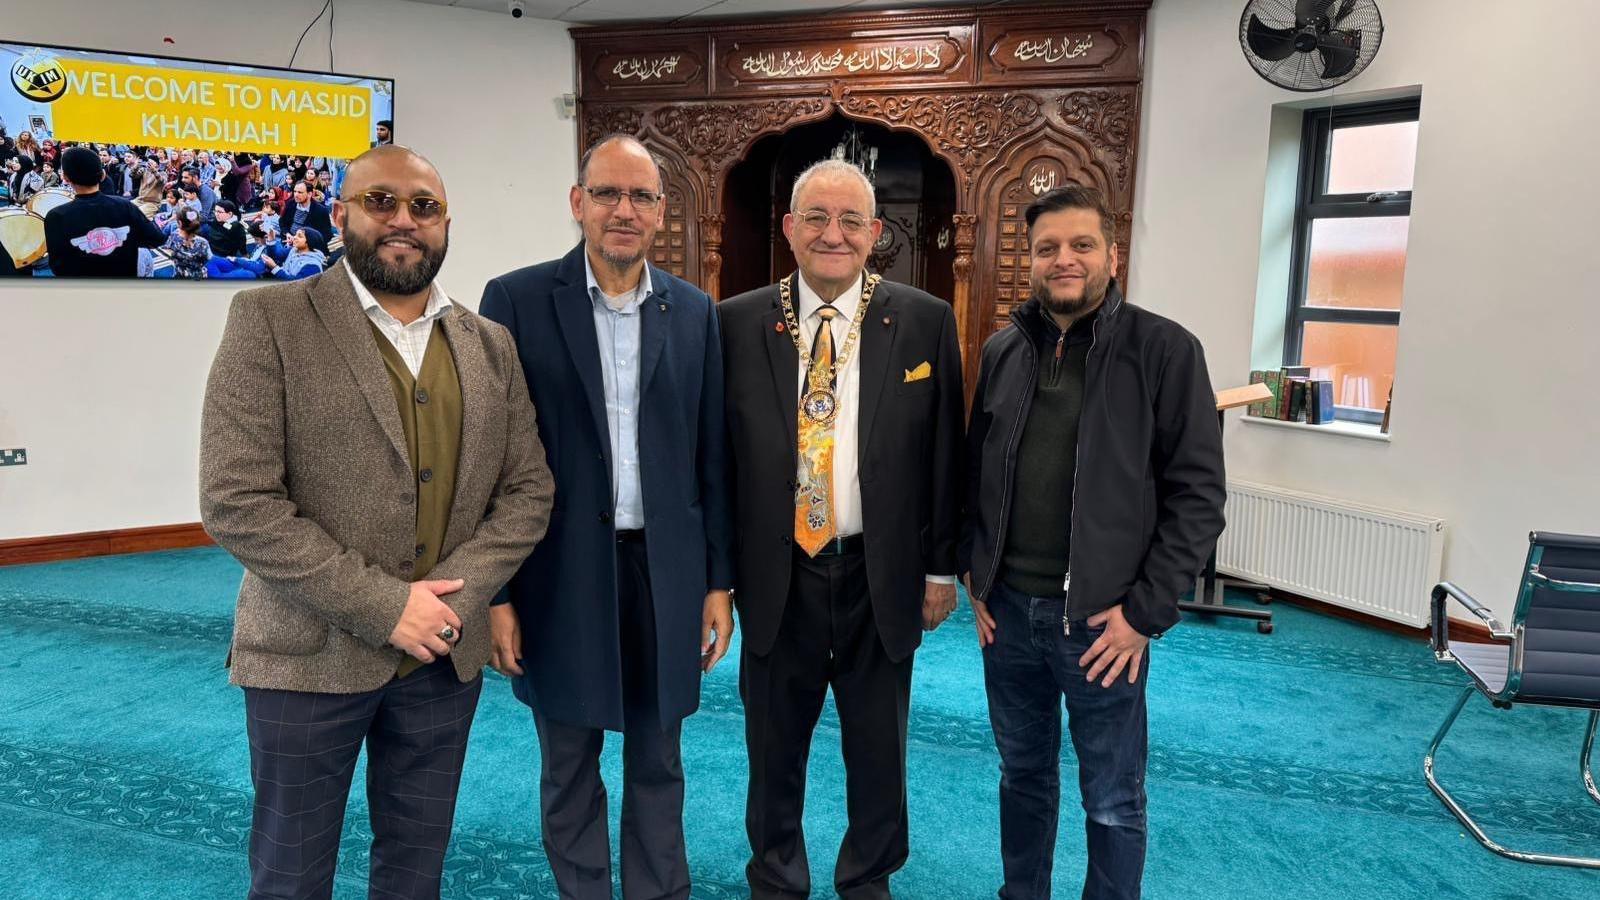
pixel 611 622
pixel 303 212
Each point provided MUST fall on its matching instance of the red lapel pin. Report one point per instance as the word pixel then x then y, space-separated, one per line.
pixel 778 328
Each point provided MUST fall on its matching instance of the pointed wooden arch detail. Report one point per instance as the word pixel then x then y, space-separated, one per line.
pixel 1013 99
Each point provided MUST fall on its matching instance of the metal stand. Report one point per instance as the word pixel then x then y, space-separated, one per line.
pixel 1583 759
pixel 1582 862
pixel 1210 591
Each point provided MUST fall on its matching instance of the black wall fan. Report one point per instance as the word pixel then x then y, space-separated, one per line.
pixel 1310 45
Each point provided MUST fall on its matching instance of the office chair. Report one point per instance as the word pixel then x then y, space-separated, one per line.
pixel 1550 656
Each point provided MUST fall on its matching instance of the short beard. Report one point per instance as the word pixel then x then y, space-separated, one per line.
pixel 1094 293
pixel 390 278
pixel 619 261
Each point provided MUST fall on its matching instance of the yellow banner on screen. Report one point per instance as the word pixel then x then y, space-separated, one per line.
pixel 113 103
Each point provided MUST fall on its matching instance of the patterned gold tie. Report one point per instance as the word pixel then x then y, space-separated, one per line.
pixel 813 499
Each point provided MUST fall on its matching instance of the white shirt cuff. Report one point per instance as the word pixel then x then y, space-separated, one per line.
pixel 939 579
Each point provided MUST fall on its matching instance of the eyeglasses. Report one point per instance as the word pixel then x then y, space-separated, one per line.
pixel 609 196
pixel 849 223
pixel 382 205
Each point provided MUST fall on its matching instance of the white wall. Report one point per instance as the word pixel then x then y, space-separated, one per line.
pixel 1496 426
pixel 103 384
pixel 1494 413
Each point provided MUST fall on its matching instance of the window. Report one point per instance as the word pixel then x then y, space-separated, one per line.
pixel 1352 213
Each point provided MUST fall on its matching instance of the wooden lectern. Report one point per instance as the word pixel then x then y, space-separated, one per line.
pixel 1209 587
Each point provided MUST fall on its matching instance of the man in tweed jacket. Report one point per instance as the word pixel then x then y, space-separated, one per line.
pixel 368 453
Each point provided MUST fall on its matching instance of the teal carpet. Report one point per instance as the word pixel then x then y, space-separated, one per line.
pixel 1287 765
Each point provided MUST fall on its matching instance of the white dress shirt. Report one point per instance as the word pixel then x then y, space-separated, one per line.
pixel 619 332
pixel 847 396
pixel 410 341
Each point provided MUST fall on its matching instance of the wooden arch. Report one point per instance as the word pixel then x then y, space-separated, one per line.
pixel 1012 98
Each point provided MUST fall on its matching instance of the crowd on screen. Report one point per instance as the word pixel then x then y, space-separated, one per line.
pixel 226 215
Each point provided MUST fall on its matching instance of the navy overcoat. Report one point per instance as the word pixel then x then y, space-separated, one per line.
pixel 566 594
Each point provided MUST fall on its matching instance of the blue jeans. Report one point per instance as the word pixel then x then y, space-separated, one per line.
pixel 1027 670
pixel 238 268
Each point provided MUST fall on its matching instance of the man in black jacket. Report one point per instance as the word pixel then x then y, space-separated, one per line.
pixel 111 174
pixel 1095 492
pixel 304 212
pixel 96 234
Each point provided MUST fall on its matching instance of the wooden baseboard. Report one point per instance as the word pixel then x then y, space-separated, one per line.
pixel 102 543
pixel 1471 632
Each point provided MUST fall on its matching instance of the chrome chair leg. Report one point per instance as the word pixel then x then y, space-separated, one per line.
pixel 1472 826
pixel 1583 761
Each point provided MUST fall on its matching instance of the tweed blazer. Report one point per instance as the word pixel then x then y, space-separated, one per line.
pixel 305 479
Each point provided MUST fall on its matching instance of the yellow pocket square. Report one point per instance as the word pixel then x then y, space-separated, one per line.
pixel 922 371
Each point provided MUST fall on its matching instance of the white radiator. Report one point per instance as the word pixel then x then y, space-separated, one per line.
pixel 1371 560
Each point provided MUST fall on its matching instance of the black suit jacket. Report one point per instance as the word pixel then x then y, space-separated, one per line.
pixel 316 217
pixel 111 181
pixel 909 448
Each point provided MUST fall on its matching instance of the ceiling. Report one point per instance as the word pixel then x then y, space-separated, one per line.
pixel 597 11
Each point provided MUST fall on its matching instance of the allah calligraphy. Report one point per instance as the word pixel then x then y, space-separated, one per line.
pixel 646 68
pixel 1049 51
pixel 1043 175
pixel 844 61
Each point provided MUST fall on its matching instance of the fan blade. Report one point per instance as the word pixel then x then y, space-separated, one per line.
pixel 1344 10
pixel 1269 43
pixel 1306 10
pixel 1340 52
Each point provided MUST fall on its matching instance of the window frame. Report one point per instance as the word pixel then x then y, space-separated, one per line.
pixel 1312 202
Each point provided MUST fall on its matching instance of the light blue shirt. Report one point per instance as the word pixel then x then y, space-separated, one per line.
pixel 617 331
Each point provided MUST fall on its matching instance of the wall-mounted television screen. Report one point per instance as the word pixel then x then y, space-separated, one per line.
pixel 128 165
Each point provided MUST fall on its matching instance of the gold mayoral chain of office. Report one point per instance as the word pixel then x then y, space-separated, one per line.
pixel 820 404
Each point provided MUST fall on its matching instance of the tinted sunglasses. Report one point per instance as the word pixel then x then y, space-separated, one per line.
pixel 382 205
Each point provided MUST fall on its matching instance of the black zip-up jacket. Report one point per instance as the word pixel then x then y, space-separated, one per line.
pixel 1148 496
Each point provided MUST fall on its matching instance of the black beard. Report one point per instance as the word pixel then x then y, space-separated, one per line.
pixel 1071 309
pixel 392 278
pixel 1094 292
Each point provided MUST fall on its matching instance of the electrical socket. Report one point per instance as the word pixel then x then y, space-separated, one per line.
pixel 17 457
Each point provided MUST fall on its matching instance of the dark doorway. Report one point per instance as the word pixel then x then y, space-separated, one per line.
pixel 915 192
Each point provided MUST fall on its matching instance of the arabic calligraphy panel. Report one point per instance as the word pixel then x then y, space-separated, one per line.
pixel 936 57
pixel 645 68
pixel 1063 52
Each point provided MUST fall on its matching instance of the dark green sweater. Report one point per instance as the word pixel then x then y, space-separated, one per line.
pixel 430 412
pixel 1039 532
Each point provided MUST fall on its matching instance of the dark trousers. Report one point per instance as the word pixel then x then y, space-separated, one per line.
pixel 303 749
pixel 572 797
pixel 828 639
pixel 1027 670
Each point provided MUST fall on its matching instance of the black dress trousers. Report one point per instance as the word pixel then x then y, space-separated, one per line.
pixel 827 639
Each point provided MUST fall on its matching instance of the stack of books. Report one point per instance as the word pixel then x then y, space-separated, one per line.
pixel 1296 396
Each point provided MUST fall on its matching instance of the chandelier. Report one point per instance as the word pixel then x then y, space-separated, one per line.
pixel 853 149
